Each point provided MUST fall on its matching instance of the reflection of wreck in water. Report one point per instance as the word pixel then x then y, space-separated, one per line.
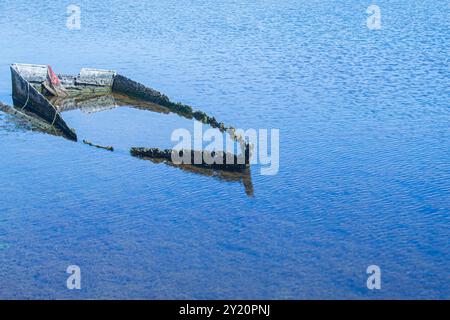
pixel 40 96
pixel 239 171
pixel 243 177
pixel 92 103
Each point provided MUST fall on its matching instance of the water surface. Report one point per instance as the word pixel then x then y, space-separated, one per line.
pixel 364 168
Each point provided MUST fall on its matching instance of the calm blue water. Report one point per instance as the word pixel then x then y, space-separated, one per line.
pixel 364 168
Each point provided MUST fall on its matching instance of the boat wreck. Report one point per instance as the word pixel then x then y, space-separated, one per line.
pixel 40 94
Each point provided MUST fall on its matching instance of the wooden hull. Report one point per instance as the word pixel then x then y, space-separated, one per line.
pixel 27 98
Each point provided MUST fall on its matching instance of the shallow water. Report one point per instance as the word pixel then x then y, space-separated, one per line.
pixel 364 168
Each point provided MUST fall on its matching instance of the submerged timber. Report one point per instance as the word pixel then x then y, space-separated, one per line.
pixel 109 148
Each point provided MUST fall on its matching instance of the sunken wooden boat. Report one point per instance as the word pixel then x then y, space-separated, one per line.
pixel 39 92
